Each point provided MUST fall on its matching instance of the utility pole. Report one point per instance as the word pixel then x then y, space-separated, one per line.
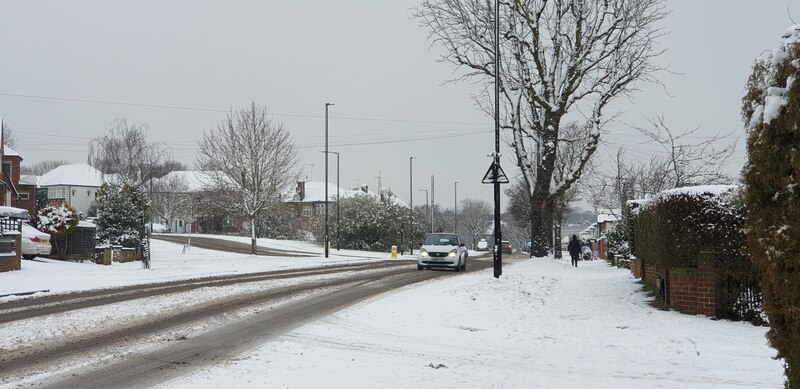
pixel 433 204
pixel 327 237
pixel 455 209
pixel 411 204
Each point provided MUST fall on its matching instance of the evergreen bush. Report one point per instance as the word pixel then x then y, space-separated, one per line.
pixel 771 111
pixel 121 214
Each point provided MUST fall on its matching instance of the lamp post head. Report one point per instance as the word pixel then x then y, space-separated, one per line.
pixel 329 104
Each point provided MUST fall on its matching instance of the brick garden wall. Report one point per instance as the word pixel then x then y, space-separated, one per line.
pixel 690 290
pixel 9 263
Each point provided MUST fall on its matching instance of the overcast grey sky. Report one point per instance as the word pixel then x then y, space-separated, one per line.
pixel 368 57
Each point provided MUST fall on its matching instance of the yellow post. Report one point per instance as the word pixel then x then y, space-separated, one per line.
pixel 394 252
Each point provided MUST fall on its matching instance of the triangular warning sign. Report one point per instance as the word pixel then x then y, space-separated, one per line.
pixel 489 177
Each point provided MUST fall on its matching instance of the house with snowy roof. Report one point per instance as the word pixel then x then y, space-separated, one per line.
pixel 308 200
pixel 73 185
pixel 176 196
pixel 16 193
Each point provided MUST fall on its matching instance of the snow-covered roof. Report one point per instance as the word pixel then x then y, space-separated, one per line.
pixel 196 180
pixel 80 174
pixel 315 191
pixel 9 151
pixel 606 217
pixel 29 179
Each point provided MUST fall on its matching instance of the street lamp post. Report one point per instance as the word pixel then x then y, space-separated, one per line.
pixel 411 204
pixel 327 237
pixel 427 204
pixel 338 228
pixel 455 209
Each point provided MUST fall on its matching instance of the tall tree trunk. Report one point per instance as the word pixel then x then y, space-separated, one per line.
pixel 559 217
pixel 253 234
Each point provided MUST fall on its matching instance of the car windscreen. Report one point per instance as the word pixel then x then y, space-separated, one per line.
pixel 441 240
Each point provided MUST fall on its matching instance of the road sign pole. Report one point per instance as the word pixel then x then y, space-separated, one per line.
pixel 498 253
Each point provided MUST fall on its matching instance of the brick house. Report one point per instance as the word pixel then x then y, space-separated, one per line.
pixel 15 193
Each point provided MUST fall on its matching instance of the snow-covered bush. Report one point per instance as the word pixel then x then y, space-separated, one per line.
pixel 121 214
pixel 617 241
pixel 771 112
pixel 59 221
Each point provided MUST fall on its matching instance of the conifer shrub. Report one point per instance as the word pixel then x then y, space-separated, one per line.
pixel 122 212
pixel 771 111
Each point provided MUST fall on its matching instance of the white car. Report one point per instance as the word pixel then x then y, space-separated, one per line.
pixel 442 250
pixel 34 242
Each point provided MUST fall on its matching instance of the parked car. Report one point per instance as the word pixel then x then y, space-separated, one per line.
pixel 442 250
pixel 34 242
pixel 506 247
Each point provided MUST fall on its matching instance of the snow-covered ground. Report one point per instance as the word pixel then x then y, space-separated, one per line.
pixel 169 263
pixel 543 324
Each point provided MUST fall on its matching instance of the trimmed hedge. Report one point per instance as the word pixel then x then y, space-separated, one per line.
pixel 671 231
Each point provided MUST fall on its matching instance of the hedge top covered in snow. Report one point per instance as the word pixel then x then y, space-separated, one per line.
pixel 722 192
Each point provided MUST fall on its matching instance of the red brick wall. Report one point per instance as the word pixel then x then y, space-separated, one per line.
pixel 692 290
pixel 636 267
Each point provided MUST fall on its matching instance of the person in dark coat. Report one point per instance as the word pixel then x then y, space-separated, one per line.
pixel 574 248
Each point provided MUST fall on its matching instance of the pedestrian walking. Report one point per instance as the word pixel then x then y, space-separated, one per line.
pixel 574 248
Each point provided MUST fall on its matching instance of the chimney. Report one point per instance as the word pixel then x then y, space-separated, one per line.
pixel 300 190
pixel 365 188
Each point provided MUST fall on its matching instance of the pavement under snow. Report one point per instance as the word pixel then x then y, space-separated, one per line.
pixel 543 324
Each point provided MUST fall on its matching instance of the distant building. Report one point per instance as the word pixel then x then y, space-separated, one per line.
pixel 73 185
pixel 15 193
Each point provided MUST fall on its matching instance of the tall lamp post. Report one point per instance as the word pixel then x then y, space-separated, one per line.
pixel 427 204
pixel 338 229
pixel 327 237
pixel 411 204
pixel 455 208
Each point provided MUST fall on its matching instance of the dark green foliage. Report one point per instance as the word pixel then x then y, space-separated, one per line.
pixel 372 225
pixel 41 200
pixel 772 176
pixel 278 222
pixel 673 230
pixel 617 241
pixel 122 211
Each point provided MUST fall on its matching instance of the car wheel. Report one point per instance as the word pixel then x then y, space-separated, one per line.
pixel 28 256
pixel 464 266
pixel 419 267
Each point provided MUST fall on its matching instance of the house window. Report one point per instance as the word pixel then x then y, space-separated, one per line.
pixel 321 209
pixel 56 193
pixel 307 211
pixel 24 196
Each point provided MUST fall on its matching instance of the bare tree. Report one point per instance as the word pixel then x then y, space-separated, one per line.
pixel 42 167
pixel 561 57
pixel 9 138
pixel 170 198
pixel 475 218
pixel 251 160
pixel 685 160
pixel 126 150
pixel 690 159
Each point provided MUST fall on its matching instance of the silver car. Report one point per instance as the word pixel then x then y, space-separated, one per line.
pixel 442 250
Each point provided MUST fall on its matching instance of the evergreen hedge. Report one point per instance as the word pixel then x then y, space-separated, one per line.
pixel 771 110
pixel 672 229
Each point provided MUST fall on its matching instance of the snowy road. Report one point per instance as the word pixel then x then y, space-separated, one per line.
pixel 146 334
pixel 543 324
